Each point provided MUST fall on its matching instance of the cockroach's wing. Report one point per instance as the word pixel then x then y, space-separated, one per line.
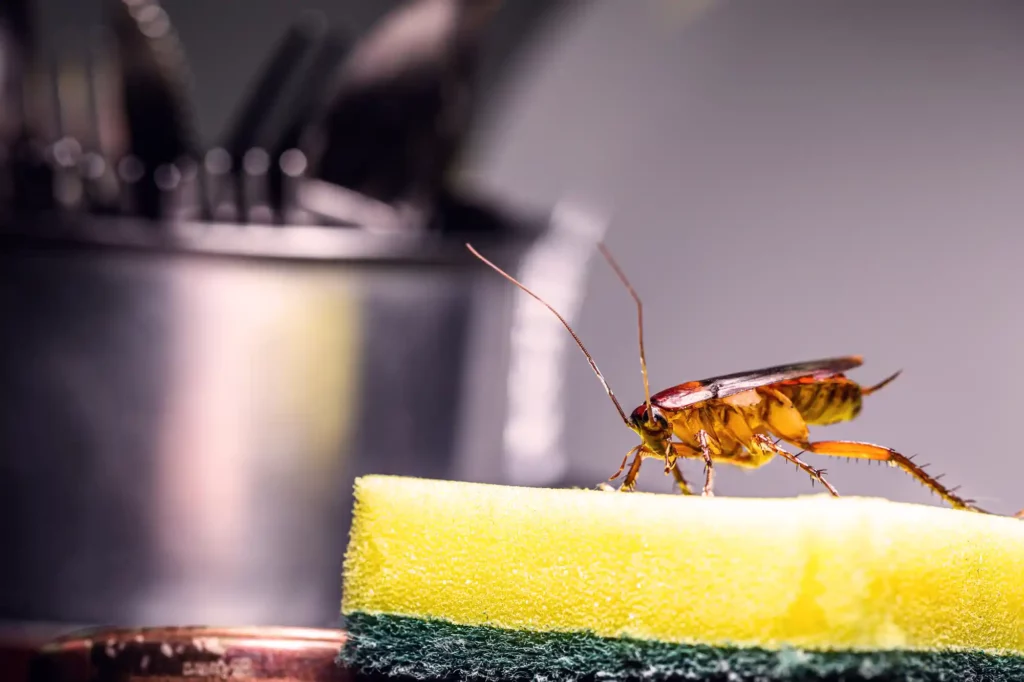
pixel 693 392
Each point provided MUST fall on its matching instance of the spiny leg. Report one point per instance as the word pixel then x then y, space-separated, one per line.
pixel 1019 515
pixel 878 453
pixel 629 483
pixel 815 474
pixel 625 459
pixel 709 467
pixel 683 451
pixel 678 451
pixel 684 487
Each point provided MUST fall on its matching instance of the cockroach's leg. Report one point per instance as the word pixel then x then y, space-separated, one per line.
pixel 1019 515
pixel 625 459
pixel 815 474
pixel 709 467
pixel 680 451
pixel 677 472
pixel 683 486
pixel 629 483
pixel 878 453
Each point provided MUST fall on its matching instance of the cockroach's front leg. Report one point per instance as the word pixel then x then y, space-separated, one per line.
pixel 680 450
pixel 683 451
pixel 709 467
pixel 681 483
pixel 625 459
pixel 815 474
pixel 878 453
pixel 629 483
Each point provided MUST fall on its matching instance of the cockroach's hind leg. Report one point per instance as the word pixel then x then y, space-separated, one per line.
pixel 709 467
pixel 815 474
pixel 1019 515
pixel 878 453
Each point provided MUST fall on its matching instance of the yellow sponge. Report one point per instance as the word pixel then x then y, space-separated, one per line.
pixel 814 573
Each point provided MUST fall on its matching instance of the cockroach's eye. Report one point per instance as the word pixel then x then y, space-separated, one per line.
pixel 659 419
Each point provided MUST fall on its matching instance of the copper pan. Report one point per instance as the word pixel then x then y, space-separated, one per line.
pixel 190 654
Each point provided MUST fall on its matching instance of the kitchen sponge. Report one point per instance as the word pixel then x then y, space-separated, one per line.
pixel 497 582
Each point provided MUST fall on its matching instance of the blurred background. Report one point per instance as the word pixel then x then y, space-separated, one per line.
pixel 234 277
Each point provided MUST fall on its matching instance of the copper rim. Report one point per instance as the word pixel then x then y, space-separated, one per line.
pixel 187 652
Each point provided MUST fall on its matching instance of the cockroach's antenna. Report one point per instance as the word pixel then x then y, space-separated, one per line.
pixel 590 359
pixel 881 384
pixel 640 324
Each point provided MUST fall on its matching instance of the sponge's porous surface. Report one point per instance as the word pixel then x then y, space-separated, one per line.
pixel 482 581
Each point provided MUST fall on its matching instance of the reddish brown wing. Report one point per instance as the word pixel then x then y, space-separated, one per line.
pixel 693 392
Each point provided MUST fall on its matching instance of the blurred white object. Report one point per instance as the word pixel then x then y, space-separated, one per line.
pixel 554 268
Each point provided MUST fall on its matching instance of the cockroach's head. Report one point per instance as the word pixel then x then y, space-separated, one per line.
pixel 650 425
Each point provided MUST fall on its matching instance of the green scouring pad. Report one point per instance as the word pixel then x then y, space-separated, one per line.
pixel 485 582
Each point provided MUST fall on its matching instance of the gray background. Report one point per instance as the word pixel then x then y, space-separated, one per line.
pixel 787 180
pixel 791 180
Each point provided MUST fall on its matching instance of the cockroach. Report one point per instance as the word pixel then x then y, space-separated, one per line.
pixel 742 418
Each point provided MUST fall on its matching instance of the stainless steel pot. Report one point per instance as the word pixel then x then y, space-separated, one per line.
pixel 184 409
